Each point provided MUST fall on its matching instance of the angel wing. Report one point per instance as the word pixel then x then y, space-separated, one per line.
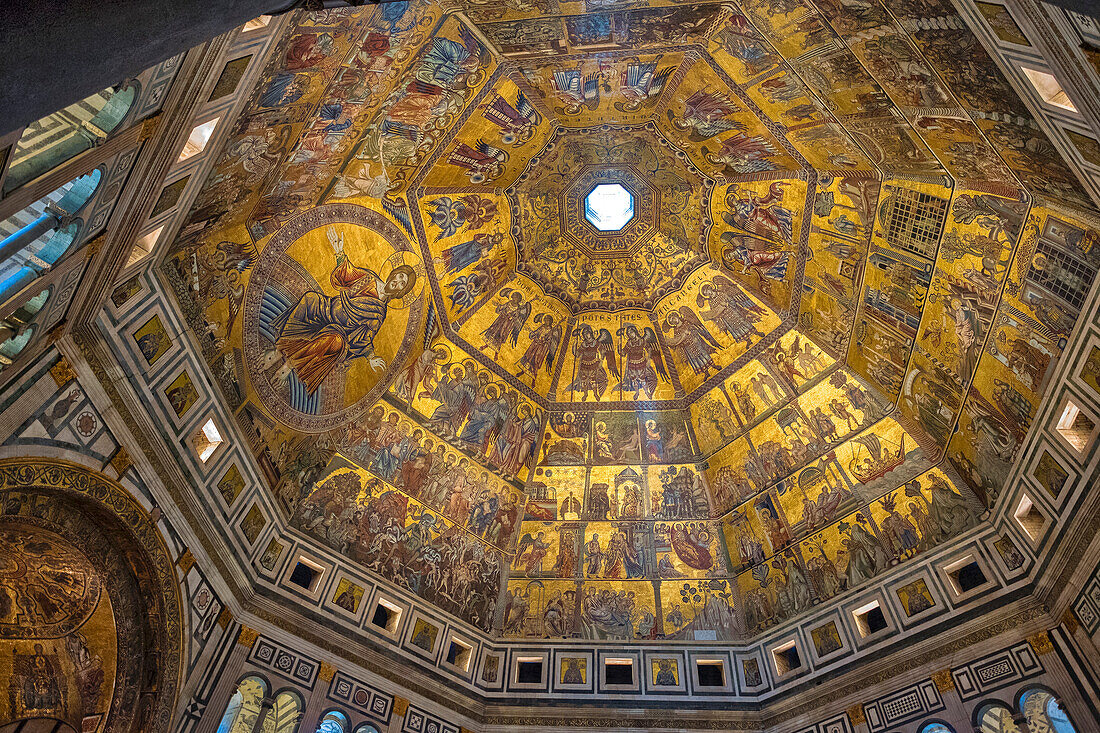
pixel 606 346
pixel 525 108
pixel 524 543
pixel 591 91
pixel 491 151
pixel 660 79
pixel 774 195
pixel 692 321
pixel 520 321
pixel 554 341
pixel 471 42
pixel 399 210
pixel 237 256
pixel 721 282
pixel 568 82
pixel 653 348
pixel 734 292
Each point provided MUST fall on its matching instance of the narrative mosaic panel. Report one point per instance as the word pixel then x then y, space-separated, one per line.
pixel 810 353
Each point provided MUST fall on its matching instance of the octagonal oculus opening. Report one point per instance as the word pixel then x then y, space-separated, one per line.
pixel 609 207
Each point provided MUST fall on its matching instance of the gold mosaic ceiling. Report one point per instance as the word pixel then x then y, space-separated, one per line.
pixel 810 353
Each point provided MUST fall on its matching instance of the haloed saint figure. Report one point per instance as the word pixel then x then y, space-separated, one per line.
pixel 333 309
pixel 320 332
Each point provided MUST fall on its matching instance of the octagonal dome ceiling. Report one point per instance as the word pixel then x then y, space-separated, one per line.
pixel 806 354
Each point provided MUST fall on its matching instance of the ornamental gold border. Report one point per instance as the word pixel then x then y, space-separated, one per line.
pixel 74 479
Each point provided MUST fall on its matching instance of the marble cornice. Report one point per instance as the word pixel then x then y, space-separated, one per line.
pixel 1026 615
pixel 1019 620
pixel 162 141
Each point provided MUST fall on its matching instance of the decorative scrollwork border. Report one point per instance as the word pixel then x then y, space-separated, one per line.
pixel 73 479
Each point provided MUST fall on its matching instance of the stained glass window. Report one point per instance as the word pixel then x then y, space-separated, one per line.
pixel 333 722
pixel 244 707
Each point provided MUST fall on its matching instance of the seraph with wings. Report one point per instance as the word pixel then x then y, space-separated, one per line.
pixel 691 340
pixel 545 339
pixel 706 114
pixel 577 90
pixel 517 123
pixel 641 83
pixel 741 153
pixel 511 316
pixel 484 162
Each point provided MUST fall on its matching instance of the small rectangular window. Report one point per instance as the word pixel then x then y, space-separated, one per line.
pixel 196 141
pixel 256 24
pixel 711 673
pixel 787 658
pixel 458 655
pixel 870 619
pixel 386 616
pixel 619 672
pixel 529 671
pixel 1049 88
pixel 305 575
pixel 144 245
pixel 206 440
pixel 1075 427
pixel 966 576
pixel 1030 518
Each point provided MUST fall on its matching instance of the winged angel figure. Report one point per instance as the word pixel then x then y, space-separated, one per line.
pixel 595 355
pixel 689 338
pixel 642 361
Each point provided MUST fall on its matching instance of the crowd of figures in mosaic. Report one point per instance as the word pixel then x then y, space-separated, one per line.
pixel 811 353
pixel 785 374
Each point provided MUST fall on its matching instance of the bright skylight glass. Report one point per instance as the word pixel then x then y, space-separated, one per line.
pixel 609 207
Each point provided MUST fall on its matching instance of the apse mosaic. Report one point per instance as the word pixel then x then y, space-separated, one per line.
pixel 807 349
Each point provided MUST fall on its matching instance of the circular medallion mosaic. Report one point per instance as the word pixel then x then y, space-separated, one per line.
pixel 48 588
pixel 333 308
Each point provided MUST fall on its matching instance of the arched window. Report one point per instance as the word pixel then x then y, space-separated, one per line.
pixel 333 722
pixel 37 237
pixel 936 727
pixel 56 138
pixel 17 330
pixel 996 718
pixel 244 707
pixel 1044 712
pixel 284 713
pixel 366 728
